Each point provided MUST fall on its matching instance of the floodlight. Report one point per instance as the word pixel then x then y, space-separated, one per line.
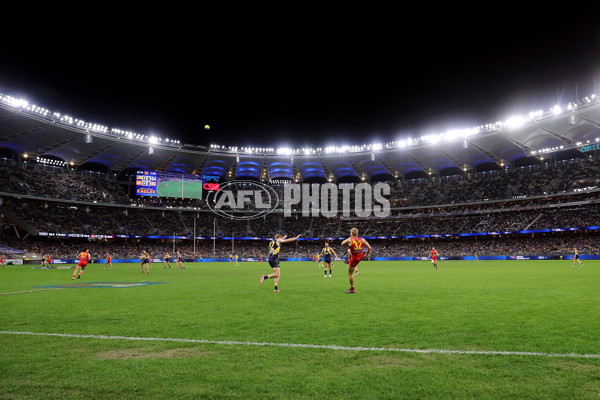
pixel 556 110
pixel 515 122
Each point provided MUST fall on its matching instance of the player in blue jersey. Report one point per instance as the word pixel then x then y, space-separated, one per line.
pixel 274 248
pixel 576 257
pixel 167 260
pixel 325 255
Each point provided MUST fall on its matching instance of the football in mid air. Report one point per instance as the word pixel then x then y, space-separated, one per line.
pixel 207 127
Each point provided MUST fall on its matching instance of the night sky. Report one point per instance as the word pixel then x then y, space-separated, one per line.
pixel 300 79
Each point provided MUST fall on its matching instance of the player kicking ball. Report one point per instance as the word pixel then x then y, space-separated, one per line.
pixel 274 248
pixel 356 245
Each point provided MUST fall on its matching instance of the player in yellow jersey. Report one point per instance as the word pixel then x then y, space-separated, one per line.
pixel 179 261
pixel 274 248
pixel 145 261
pixel 576 257
pixel 325 255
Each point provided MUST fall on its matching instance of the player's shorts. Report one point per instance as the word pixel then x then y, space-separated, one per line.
pixel 274 262
pixel 433 259
pixel 577 257
pixel 82 264
pixel 327 259
pixel 355 259
pixel 167 259
pixel 145 261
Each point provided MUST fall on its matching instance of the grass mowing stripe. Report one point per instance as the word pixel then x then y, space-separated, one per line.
pixel 310 346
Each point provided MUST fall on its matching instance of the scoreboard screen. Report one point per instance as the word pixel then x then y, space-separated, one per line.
pixel 145 183
pixel 165 184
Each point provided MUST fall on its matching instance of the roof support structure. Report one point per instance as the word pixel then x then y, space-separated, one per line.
pixel 131 159
pixel 484 151
pixel 387 166
pixel 589 120
pixel 520 144
pixel 568 141
pixel 164 166
pixel 451 158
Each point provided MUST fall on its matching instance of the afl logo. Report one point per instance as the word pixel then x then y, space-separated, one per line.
pixel 243 200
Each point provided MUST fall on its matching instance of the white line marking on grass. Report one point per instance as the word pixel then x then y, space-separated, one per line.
pixel 309 346
pixel 28 291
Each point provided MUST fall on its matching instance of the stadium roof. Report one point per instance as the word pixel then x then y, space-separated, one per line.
pixel 29 132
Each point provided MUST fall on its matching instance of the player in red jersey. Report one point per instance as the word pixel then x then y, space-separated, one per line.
pixel 46 261
pixel 108 261
pixel 356 245
pixel 83 257
pixel 433 256
pixel 2 260
pixel 179 261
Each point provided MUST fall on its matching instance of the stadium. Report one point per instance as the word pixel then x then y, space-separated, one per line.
pixel 509 314
pixel 524 187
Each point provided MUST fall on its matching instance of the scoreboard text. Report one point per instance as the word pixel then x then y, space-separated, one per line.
pixel 145 183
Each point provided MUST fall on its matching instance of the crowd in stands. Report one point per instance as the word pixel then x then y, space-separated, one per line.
pixel 548 179
pixel 58 217
pixel 61 183
pixel 554 196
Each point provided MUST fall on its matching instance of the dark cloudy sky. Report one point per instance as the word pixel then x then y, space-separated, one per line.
pixel 305 77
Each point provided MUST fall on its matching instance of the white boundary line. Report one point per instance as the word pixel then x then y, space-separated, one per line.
pixel 29 291
pixel 309 346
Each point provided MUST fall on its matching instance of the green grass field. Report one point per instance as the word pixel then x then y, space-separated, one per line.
pixel 470 330
pixel 191 189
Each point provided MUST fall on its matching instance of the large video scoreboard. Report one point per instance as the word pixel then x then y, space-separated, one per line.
pixel 166 184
